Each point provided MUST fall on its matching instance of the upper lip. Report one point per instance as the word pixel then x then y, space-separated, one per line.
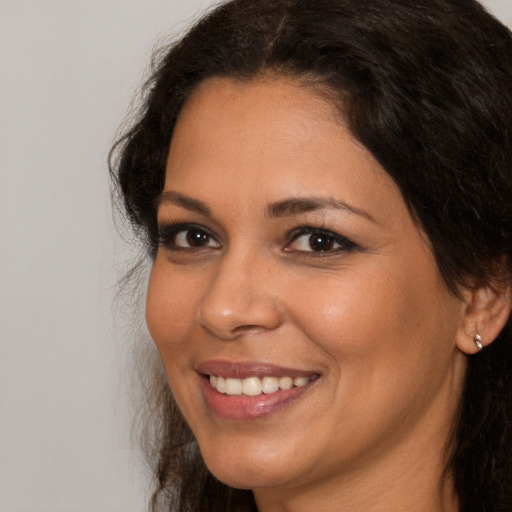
pixel 243 370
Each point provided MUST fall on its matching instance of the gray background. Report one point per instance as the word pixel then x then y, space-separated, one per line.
pixel 68 71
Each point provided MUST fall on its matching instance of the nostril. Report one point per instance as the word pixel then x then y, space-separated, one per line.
pixel 227 317
pixel 251 328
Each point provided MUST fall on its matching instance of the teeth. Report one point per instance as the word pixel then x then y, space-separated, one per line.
pixel 285 382
pixel 300 381
pixel 221 385
pixel 233 387
pixel 270 385
pixel 254 386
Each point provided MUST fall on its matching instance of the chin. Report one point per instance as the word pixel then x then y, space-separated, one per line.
pixel 257 468
pixel 248 478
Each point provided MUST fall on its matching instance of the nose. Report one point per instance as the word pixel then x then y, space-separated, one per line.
pixel 240 298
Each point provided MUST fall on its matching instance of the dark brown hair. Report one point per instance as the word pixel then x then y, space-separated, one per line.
pixel 426 86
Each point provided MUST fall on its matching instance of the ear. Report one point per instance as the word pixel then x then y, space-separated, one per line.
pixel 486 312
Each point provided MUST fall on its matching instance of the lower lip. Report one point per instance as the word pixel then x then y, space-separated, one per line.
pixel 247 408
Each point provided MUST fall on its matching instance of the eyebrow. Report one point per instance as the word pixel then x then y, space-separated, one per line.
pixel 284 208
pixel 184 201
pixel 298 205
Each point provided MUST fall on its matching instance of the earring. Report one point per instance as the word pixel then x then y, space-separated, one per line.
pixel 478 342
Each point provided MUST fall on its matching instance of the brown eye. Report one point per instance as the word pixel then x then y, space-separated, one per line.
pixel 196 238
pixel 193 238
pixel 318 241
pixel 175 237
pixel 321 242
pixel 186 237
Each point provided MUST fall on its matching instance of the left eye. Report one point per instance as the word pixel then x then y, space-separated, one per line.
pixel 320 241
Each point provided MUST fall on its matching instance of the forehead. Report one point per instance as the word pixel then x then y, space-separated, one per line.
pixel 267 139
pixel 273 117
pixel 278 104
pixel 269 90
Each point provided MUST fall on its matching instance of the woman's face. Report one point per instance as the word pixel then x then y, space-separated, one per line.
pixel 287 252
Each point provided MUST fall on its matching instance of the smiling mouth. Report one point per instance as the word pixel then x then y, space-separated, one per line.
pixel 256 386
pixel 247 391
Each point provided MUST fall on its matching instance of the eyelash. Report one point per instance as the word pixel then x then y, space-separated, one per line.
pixel 167 235
pixel 344 244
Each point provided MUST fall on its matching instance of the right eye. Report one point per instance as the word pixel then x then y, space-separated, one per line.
pixel 178 237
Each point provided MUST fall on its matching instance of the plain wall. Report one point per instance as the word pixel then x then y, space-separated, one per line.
pixel 68 71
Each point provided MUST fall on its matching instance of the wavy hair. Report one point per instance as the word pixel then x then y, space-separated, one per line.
pixel 426 86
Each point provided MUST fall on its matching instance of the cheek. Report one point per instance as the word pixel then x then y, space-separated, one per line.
pixel 170 313
pixel 389 335
pixel 341 310
pixel 384 315
pixel 169 310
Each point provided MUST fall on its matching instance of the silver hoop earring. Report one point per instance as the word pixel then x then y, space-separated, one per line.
pixel 478 342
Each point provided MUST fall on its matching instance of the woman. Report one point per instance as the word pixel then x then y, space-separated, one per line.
pixel 324 187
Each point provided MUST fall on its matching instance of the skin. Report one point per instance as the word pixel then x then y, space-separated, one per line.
pixel 374 320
